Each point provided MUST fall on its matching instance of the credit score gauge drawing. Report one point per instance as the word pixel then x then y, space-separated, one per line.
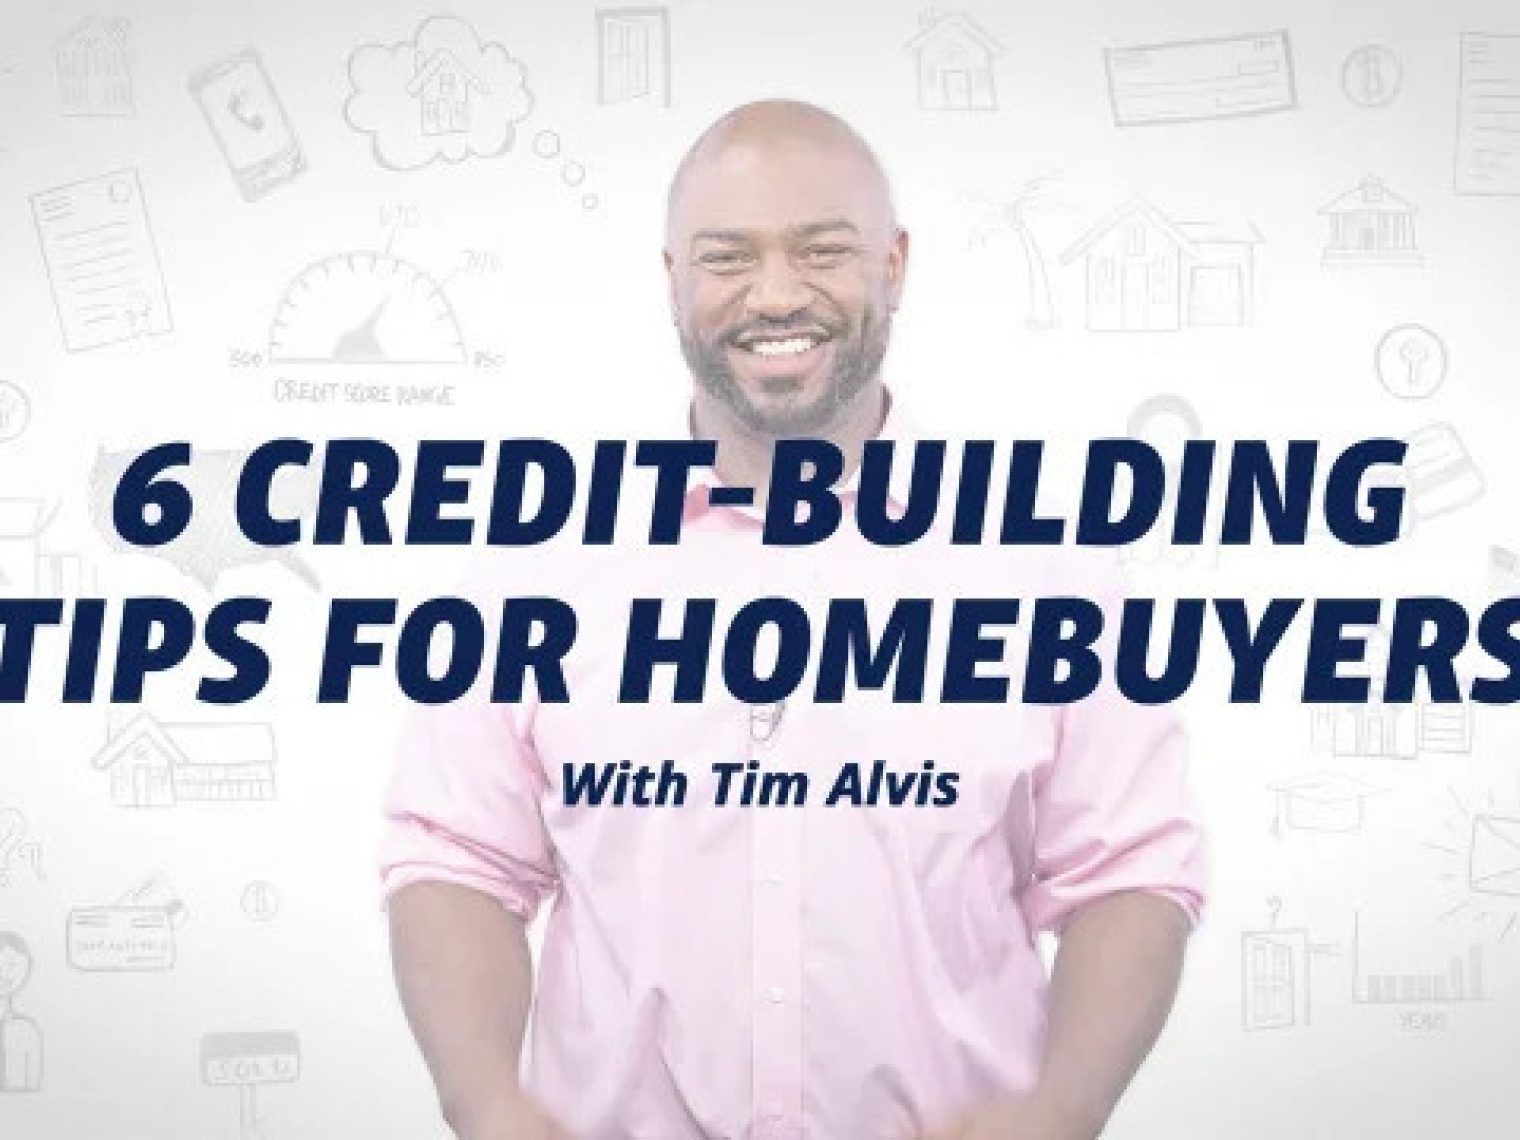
pixel 365 307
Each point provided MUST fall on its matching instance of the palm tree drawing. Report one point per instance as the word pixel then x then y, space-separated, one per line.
pixel 1012 214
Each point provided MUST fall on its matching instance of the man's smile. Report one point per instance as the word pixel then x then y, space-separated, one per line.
pixel 792 346
pixel 793 353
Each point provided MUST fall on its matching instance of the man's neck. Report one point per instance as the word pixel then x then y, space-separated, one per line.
pixel 744 456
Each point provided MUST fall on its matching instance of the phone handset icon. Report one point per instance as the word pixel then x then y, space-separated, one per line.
pixel 237 107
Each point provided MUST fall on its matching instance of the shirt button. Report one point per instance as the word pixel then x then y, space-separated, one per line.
pixel 774 878
pixel 776 994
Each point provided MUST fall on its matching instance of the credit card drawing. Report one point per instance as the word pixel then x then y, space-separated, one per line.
pixel 1194 80
pixel 1441 473
pixel 121 939
pixel 249 124
pixel 134 934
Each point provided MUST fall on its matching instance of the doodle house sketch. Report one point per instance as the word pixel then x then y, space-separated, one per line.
pixel 94 66
pixel 443 87
pixel 633 56
pixel 445 94
pixel 1148 273
pixel 1370 225
pixel 954 57
pixel 160 765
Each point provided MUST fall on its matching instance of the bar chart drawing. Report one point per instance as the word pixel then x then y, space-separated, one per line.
pixel 1460 983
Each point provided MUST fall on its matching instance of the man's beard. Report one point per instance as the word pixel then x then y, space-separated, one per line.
pixel 857 360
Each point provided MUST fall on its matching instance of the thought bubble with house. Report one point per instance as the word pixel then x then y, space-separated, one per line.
pixel 444 94
pixel 212 544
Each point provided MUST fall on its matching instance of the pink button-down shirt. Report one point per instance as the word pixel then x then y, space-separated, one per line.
pixel 831 972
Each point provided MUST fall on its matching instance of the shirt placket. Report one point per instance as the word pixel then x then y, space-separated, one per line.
pixel 776 850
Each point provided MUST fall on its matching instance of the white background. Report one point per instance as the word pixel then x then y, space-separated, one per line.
pixel 575 311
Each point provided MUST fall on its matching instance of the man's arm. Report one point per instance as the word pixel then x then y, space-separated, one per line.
pixel 1115 977
pixel 1116 974
pixel 465 975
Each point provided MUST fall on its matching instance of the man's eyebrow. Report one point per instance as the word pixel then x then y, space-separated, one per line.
pixel 720 235
pixel 813 229
pixel 807 230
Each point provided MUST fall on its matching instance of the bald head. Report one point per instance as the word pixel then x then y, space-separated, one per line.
pixel 754 138
pixel 785 263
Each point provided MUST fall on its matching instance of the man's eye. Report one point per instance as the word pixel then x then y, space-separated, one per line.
pixel 826 254
pixel 724 261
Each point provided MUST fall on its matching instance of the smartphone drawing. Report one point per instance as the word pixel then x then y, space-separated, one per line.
pixel 249 124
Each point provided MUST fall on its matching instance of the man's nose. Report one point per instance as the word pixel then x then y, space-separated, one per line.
pixel 778 289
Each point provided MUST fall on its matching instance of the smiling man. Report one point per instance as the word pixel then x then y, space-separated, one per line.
pixel 785 263
pixel 857 972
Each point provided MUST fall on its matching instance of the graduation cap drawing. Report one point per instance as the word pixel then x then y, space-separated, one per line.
pixel 1322 801
pixel 1493 866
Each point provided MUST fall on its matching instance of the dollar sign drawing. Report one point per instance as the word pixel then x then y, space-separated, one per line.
pixel 261 901
pixel 1372 77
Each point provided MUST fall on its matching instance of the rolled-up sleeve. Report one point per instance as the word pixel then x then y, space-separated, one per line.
pixel 463 804
pixel 1113 808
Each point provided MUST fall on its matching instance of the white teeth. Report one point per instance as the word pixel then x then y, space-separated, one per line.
pixel 792 347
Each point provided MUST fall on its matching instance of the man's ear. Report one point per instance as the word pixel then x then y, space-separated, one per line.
pixel 897 267
pixel 670 285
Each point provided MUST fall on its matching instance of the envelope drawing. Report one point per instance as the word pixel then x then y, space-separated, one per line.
pixel 1494 857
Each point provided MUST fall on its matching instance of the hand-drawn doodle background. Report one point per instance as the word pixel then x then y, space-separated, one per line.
pixel 227 222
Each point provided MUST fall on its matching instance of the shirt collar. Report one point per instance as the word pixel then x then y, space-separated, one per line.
pixel 898 426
